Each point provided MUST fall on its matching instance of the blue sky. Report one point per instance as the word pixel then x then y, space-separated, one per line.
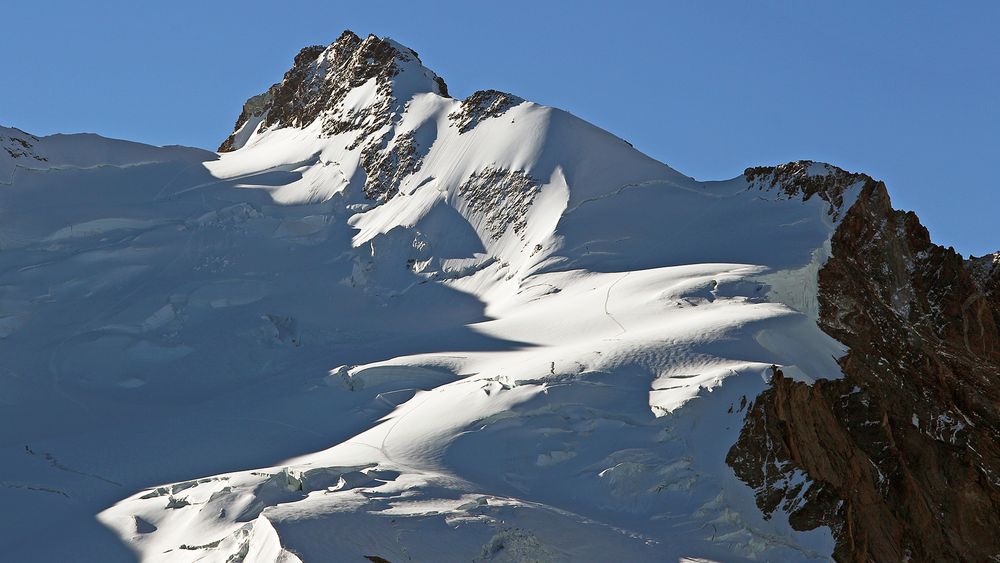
pixel 908 92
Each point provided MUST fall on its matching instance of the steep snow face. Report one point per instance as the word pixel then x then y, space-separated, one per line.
pixel 504 333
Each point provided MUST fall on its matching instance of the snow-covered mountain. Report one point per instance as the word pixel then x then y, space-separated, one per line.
pixel 385 323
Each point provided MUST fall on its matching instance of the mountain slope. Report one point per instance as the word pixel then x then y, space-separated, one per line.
pixel 504 333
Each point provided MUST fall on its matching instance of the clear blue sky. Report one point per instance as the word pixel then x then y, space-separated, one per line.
pixel 907 91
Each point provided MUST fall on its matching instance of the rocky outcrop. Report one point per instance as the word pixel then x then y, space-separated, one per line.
pixel 320 79
pixel 502 196
pixel 386 167
pixel 481 105
pixel 254 111
pixel 19 145
pixel 900 457
pixel 805 179
pixel 986 274
pixel 316 88
pixel 18 149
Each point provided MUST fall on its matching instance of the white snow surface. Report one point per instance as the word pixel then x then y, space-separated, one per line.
pixel 237 357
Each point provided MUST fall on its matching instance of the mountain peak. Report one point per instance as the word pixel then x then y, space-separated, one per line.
pixel 320 79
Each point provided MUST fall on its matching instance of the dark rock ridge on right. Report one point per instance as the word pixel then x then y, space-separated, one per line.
pixel 901 457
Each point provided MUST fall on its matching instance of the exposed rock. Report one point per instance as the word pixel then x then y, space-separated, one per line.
pixel 482 105
pixel 174 502
pixel 901 457
pixel 985 272
pixel 320 79
pixel 254 111
pixel 317 88
pixel 386 167
pixel 502 196
pixel 19 150
pixel 805 178
pixel 18 144
pixel 516 544
pixel 143 526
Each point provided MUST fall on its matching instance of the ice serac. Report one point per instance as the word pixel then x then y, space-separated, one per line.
pixel 902 455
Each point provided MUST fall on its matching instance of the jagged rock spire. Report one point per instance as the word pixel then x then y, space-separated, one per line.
pixel 320 79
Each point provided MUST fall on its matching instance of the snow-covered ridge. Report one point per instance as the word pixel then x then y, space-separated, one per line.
pixel 503 332
pixel 20 150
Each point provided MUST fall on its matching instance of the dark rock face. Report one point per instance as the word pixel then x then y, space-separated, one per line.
pixel 901 457
pixel 316 88
pixel 986 274
pixel 502 196
pixel 320 79
pixel 254 108
pixel 481 105
pixel 386 167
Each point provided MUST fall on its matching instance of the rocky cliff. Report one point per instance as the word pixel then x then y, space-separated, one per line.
pixel 320 80
pixel 901 457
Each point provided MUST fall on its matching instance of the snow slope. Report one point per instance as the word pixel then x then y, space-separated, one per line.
pixel 533 343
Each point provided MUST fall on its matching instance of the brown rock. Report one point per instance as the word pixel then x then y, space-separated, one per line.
pixel 317 84
pixel 902 455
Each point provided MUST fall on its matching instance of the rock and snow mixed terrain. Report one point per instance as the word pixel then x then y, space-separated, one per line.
pixel 387 323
